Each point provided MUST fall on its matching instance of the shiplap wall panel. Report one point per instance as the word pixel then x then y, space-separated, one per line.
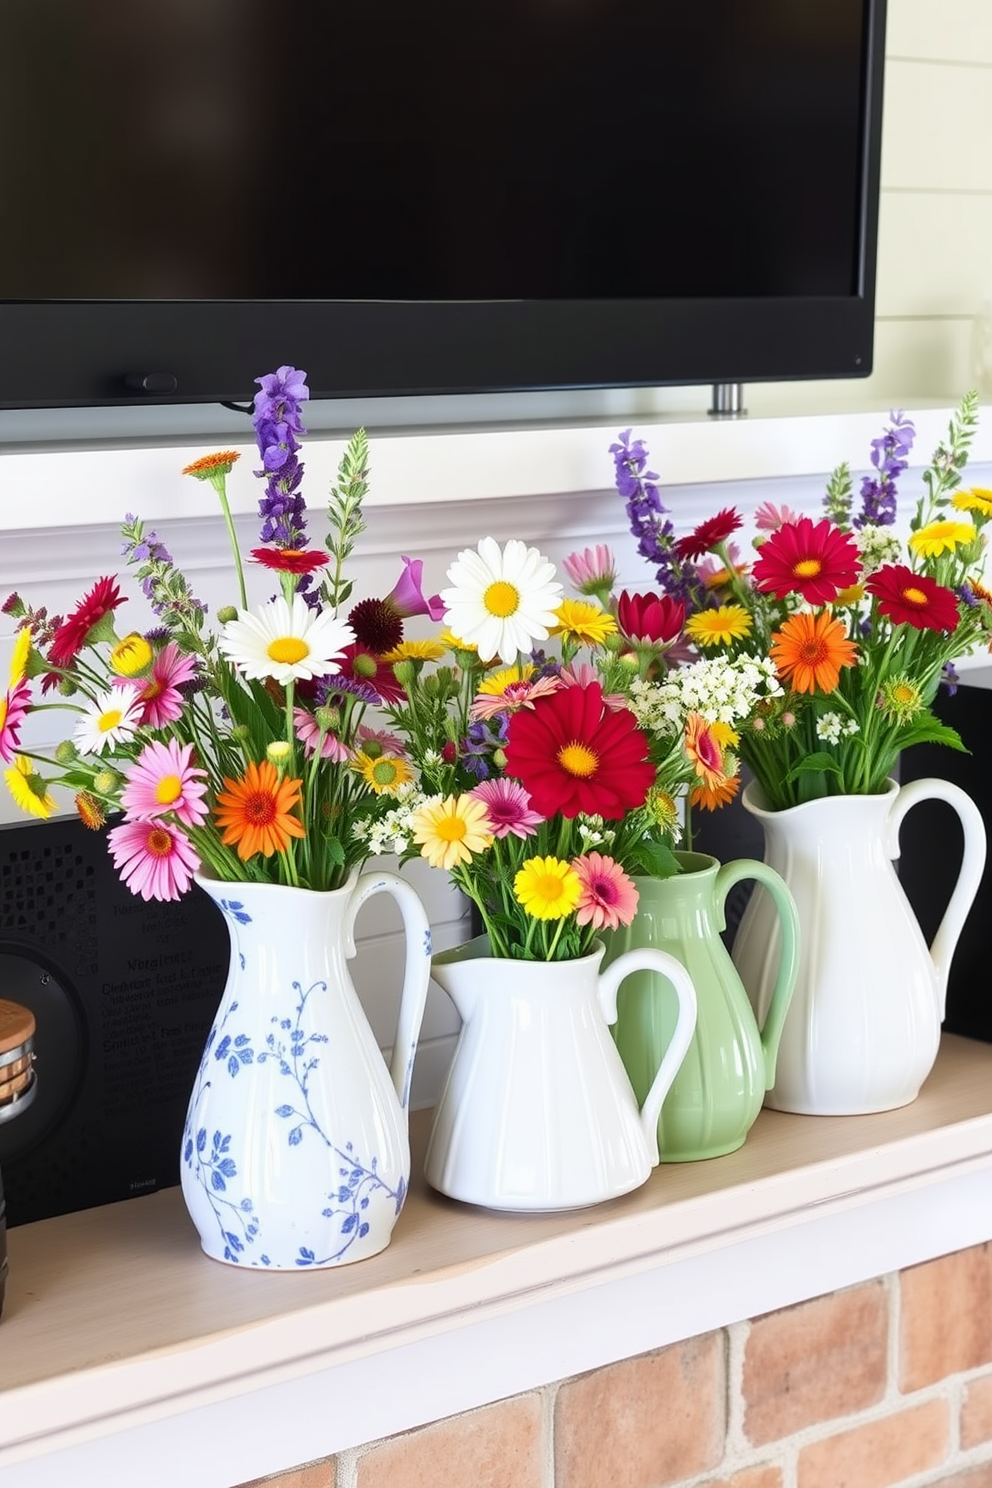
pixel 933 253
pixel 939 30
pixel 937 126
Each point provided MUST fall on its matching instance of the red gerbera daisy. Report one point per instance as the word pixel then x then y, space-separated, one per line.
pixel 708 535
pixel 290 560
pixel 913 599
pixel 814 559
pixel 362 665
pixel 572 753
pixel 650 618
pixel 72 634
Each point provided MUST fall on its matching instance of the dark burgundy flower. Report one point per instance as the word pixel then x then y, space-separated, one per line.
pixel 377 624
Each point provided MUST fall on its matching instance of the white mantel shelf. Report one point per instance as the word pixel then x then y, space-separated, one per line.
pixel 125 1354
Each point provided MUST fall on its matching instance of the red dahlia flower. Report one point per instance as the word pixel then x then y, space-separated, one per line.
pixel 814 559
pixel 913 599
pixel 648 618
pixel 71 636
pixel 574 754
pixel 708 535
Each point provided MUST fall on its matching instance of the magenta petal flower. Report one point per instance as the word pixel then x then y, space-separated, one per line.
pixel 159 695
pixel 508 808
pixel 13 709
pixel 308 733
pixel 407 597
pixel 164 780
pixel 154 859
pixel 609 898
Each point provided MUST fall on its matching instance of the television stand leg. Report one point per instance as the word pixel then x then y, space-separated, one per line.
pixel 728 400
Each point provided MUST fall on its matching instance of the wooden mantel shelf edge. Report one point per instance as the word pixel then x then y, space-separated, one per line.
pixel 114 1318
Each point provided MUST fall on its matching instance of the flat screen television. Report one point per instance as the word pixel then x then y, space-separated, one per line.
pixel 434 199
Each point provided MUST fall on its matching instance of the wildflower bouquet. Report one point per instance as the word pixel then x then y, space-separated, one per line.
pixel 546 781
pixel 860 627
pixel 245 748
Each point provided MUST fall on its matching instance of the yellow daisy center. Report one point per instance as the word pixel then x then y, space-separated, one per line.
pixel 904 692
pixel 159 842
pixel 807 568
pixel 109 720
pixel 169 789
pixel 578 759
pixel 915 596
pixel 501 599
pixel 546 886
pixel 450 829
pixel 288 649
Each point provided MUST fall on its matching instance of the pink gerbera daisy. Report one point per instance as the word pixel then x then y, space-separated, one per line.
pixel 308 733
pixel 581 674
pixel 381 740
pixel 158 694
pixel 515 695
pixel 608 898
pixel 163 780
pixel 153 858
pixel 13 709
pixel 508 808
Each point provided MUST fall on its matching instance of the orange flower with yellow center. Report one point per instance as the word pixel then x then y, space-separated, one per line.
pixel 810 650
pixel 255 812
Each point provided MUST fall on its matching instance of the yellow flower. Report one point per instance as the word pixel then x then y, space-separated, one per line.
pixel 414 651
pixel 498 682
pixel 977 500
pixel 548 888
pixel 19 657
pixel 382 772
pixel 724 735
pixel 583 622
pixel 131 656
pixel 853 595
pixel 28 789
pixel 451 831
pixel 719 627
pixel 941 537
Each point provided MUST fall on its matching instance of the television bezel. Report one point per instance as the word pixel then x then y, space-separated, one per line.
pixel 86 353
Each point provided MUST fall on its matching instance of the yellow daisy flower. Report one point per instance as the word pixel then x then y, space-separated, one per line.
pixel 719 627
pixel 977 500
pixel 583 622
pixel 19 657
pixel 497 683
pixel 131 656
pixel 28 789
pixel 383 772
pixel 941 537
pixel 548 888
pixel 451 831
pixel 724 735
pixel 853 595
pixel 414 651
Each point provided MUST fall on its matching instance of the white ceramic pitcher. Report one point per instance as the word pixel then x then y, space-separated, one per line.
pixel 537 1112
pixel 864 1026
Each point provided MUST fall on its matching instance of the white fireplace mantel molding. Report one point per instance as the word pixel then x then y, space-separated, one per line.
pixel 125 1353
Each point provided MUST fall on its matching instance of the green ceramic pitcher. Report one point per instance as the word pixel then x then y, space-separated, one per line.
pixel 722 1081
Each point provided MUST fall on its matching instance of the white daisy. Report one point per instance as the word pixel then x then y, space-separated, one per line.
pixel 285 641
pixel 501 602
pixel 111 718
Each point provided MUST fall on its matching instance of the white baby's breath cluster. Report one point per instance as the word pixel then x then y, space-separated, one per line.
pixel 722 689
pixel 594 832
pixel 392 833
pixel 832 727
pixel 876 547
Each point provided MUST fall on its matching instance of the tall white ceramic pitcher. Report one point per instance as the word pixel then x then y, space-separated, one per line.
pixel 863 1029
pixel 538 1112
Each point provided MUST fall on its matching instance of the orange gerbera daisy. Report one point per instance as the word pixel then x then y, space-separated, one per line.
pixel 254 812
pixel 712 797
pixel 703 751
pixel 207 467
pixel 810 650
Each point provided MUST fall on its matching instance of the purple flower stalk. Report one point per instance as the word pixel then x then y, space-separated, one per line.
pixel 889 456
pixel 277 422
pixel 648 517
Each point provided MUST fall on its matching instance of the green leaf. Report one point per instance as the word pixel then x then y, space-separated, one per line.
pixel 815 764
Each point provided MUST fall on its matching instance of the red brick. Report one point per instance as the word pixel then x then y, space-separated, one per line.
pixel 500 1446
pixel 321 1474
pixel 645 1422
pixel 879 1453
pixel 946 1317
pixel 815 1362
pixel 976 1412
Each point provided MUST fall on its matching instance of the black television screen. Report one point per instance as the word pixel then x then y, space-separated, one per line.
pixel 552 193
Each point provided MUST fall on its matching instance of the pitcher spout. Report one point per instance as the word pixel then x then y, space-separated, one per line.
pixel 462 990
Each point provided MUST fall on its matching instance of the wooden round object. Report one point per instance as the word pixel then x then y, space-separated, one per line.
pixel 17 1028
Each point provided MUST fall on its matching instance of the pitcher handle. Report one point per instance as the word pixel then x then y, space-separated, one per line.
pixel 730 874
pixel 416 974
pixel 969 877
pixel 646 958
